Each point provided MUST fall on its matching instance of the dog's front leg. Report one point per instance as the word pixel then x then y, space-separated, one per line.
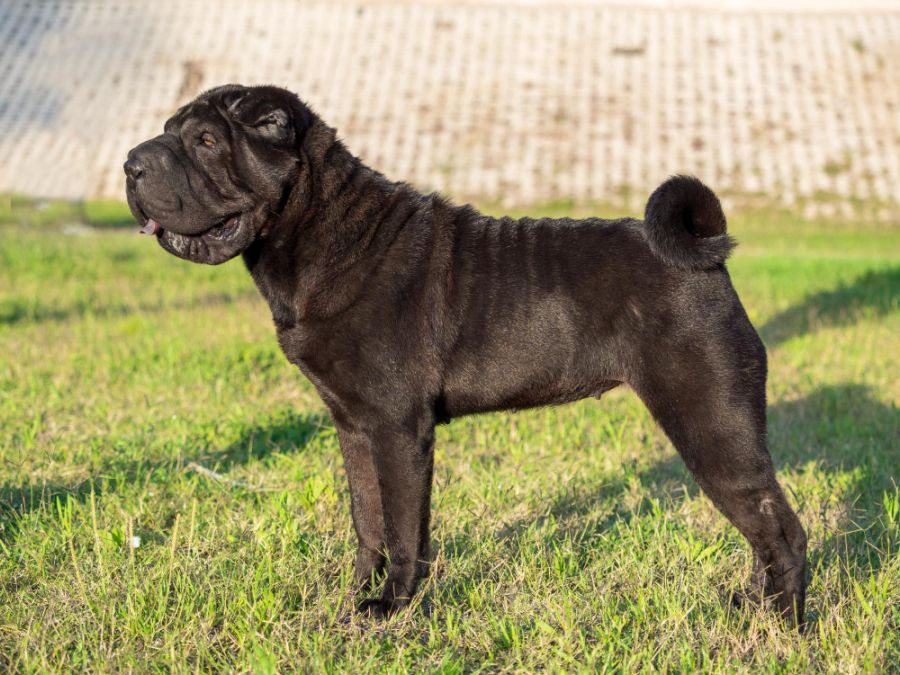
pixel 404 462
pixel 365 504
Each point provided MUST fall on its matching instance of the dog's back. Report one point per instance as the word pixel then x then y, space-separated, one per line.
pixel 553 310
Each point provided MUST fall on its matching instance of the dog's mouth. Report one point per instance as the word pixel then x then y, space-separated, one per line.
pixel 226 228
pixel 222 230
pixel 213 246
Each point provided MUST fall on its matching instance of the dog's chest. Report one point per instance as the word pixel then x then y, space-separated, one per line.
pixel 302 347
pixel 326 358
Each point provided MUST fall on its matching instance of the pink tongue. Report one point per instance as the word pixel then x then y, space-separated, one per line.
pixel 152 227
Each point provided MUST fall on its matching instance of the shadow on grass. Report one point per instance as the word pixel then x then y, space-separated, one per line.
pixel 20 311
pixel 256 444
pixel 840 430
pixel 261 441
pixel 875 293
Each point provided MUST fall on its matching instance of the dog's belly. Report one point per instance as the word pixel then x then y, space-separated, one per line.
pixel 534 355
pixel 530 395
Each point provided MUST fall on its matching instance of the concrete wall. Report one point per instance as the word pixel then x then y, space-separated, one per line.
pixel 513 102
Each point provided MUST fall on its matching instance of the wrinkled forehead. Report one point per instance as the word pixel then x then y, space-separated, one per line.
pixel 200 111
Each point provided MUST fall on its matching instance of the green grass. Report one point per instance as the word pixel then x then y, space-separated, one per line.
pixel 29 212
pixel 567 538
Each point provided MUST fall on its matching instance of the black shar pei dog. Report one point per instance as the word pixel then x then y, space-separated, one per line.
pixel 406 311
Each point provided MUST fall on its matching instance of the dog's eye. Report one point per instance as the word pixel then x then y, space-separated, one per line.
pixel 208 139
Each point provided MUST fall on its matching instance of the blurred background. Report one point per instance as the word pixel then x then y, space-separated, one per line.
pixel 514 102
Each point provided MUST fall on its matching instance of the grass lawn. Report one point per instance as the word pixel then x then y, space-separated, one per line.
pixel 567 538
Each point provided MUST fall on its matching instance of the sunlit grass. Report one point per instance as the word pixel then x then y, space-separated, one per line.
pixel 565 538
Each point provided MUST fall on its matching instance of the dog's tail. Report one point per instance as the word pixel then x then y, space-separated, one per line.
pixel 685 225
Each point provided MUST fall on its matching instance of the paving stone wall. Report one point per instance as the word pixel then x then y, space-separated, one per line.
pixel 514 103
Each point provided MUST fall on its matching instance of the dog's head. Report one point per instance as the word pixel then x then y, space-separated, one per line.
pixel 223 169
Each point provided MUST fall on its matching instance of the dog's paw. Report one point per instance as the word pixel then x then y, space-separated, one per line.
pixel 379 608
pixel 749 596
pixel 376 608
pixel 738 598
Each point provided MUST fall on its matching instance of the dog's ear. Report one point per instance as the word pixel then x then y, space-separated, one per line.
pixel 271 121
pixel 274 125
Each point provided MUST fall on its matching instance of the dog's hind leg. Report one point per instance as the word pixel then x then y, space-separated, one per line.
pixel 715 416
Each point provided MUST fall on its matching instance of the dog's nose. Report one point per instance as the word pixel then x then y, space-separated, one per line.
pixel 133 168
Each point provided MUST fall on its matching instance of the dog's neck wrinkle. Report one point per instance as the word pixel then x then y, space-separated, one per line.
pixel 313 262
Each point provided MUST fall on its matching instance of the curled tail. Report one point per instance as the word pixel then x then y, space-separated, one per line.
pixel 685 225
